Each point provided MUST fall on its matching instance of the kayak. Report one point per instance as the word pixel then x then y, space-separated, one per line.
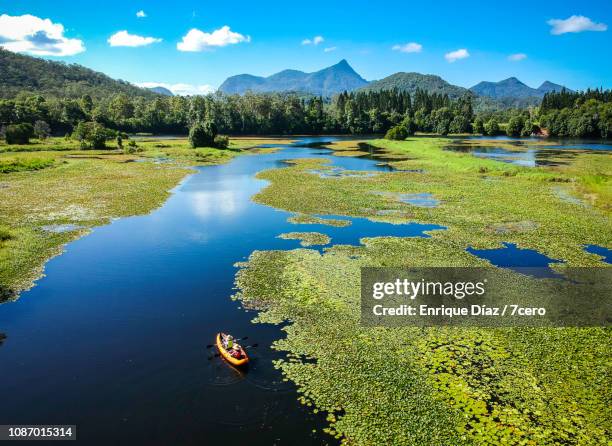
pixel 244 359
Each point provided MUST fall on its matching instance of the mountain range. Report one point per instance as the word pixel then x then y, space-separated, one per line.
pixel 513 88
pixel 326 82
pixel 342 77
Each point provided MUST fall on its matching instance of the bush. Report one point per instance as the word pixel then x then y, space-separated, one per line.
pixel 18 133
pixel 397 133
pixel 409 125
pixel 42 130
pixel 202 134
pixel 221 142
pixel 515 126
pixel 92 135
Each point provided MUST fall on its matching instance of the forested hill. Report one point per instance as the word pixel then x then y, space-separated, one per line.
pixel 411 82
pixel 20 73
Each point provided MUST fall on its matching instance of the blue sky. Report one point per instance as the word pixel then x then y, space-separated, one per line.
pixel 267 36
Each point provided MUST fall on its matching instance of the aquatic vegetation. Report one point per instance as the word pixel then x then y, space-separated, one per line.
pixel 5 234
pixel 314 220
pixel 24 165
pixel 473 202
pixel 423 200
pixel 513 226
pixel 307 238
pixel 61 228
pixel 338 172
pixel 410 386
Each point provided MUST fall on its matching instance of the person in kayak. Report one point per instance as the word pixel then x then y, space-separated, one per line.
pixel 229 342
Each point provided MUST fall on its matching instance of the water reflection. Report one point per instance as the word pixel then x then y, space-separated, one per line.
pixel 527 153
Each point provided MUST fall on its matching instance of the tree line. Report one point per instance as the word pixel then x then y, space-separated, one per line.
pixel 561 114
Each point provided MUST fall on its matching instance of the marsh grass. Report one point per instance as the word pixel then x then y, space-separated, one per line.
pixel 22 165
pixel 410 386
pixel 307 238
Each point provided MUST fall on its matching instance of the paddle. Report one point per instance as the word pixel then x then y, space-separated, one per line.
pixel 241 339
pixel 216 355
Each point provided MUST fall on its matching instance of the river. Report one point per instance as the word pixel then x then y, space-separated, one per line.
pixel 113 338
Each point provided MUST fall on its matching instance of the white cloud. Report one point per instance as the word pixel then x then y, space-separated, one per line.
pixel 181 89
pixel 456 55
pixel 141 14
pixel 517 57
pixel 330 49
pixel 411 47
pixel 196 40
pixel 575 24
pixel 314 41
pixel 33 35
pixel 123 38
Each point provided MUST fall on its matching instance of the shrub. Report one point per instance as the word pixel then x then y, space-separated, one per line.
pixel 397 133
pixel 221 142
pixel 42 130
pixel 18 133
pixel 202 134
pixel 409 125
pixel 92 135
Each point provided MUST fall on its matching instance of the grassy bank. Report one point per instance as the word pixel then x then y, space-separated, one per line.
pixel 47 185
pixel 438 386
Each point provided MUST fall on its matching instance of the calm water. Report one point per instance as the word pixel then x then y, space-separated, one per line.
pixel 543 155
pixel 113 338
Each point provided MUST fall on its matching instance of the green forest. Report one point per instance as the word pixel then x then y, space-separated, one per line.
pixel 586 114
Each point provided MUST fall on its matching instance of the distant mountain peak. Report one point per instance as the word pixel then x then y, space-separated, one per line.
pixel 548 86
pixel 326 82
pixel 160 90
pixel 344 64
pixel 513 88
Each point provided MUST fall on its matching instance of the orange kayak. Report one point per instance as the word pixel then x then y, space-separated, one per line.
pixel 243 360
